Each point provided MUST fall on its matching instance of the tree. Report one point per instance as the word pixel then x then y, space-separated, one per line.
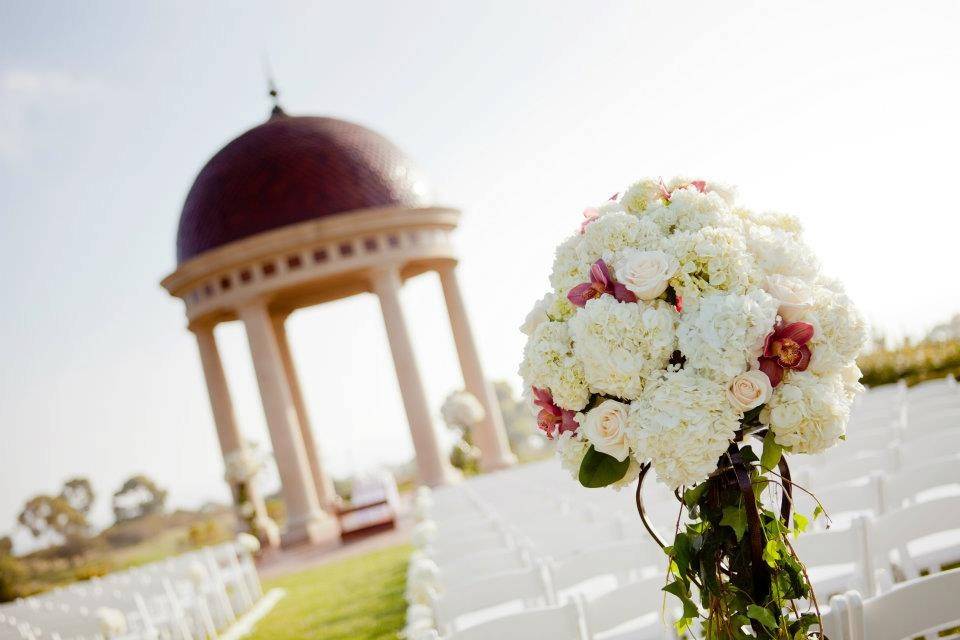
pixel 53 517
pixel 78 492
pixel 137 497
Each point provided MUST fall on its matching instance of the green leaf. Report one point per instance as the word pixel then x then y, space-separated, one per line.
pixel 601 470
pixel 817 512
pixel 771 552
pixel 736 519
pixel 682 552
pixel 761 615
pixel 800 524
pixel 692 496
pixel 771 452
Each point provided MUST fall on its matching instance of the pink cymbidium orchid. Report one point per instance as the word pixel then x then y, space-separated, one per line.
pixel 590 215
pixel 601 282
pixel 786 348
pixel 552 420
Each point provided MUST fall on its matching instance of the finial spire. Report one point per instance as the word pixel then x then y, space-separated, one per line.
pixel 277 110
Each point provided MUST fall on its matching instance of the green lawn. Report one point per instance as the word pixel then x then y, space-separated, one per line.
pixel 355 599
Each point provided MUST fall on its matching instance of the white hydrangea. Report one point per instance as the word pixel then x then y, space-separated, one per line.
pixel 807 412
pixel 839 331
pixel 683 423
pixel 622 344
pixel 615 231
pixel 568 270
pixel 721 334
pixel 641 196
pixel 549 363
pixel 690 210
pixel 713 259
pixel 571 449
pixel 778 251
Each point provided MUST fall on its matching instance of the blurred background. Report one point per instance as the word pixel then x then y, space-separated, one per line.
pixel 520 113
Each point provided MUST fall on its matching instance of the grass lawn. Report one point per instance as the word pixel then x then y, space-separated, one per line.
pixel 355 599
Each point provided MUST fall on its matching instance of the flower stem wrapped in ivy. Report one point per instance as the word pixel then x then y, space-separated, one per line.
pixel 690 337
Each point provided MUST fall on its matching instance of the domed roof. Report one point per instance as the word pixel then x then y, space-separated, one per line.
pixel 292 169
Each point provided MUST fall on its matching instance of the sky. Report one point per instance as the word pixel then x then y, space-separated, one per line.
pixel 521 114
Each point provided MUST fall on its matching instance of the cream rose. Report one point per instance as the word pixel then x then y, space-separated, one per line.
pixel 749 390
pixel 645 273
pixel 538 315
pixel 605 428
pixel 793 295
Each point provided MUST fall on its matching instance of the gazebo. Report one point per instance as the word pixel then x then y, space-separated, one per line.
pixel 296 212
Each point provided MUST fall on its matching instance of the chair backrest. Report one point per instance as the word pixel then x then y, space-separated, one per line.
pixel 626 604
pixel 923 605
pixel 836 621
pixel 853 469
pixel 482 564
pixel 942 413
pixel 894 530
pixel 557 623
pixel 906 485
pixel 528 584
pixel 620 560
pixel 861 498
pixel 919 450
pixel 443 551
pixel 837 547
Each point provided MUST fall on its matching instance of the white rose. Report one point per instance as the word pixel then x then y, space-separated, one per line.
pixel 749 390
pixel 645 273
pixel 793 295
pixel 538 315
pixel 605 428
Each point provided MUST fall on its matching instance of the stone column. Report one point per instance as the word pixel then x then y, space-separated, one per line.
pixel 321 479
pixel 490 434
pixel 223 417
pixel 432 464
pixel 306 521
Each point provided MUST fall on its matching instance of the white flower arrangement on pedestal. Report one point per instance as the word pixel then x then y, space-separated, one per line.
pixel 678 324
pixel 462 410
pixel 113 623
pixel 242 465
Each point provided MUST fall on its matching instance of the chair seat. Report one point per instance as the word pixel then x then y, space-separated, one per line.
pixel 936 550
pixel 648 627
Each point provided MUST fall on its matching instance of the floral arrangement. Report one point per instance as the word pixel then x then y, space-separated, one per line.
pixel 462 410
pixel 113 623
pixel 679 324
pixel 242 465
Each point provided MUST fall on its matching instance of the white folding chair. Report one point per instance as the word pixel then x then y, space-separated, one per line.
pixel 918 608
pixel 920 537
pixel 491 597
pixel 557 623
pixel 633 611
pixel 936 478
pixel 482 564
pixel 920 450
pixel 614 564
pixel 837 560
pixel 851 470
pixel 444 551
pixel 842 502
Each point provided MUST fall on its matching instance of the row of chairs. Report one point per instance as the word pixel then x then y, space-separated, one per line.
pixel 185 597
pixel 925 608
pixel 532 521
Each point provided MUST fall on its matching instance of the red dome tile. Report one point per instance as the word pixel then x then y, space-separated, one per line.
pixel 292 169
